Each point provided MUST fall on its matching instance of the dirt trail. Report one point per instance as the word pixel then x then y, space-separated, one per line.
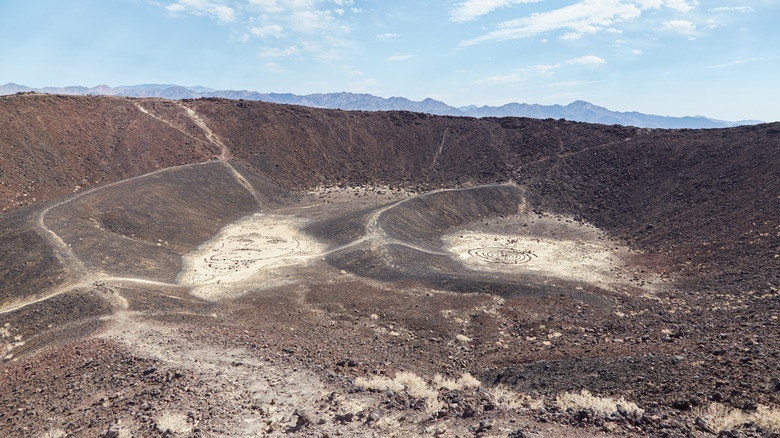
pixel 158 118
pixel 214 138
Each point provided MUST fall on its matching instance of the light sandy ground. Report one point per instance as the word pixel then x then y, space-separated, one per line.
pixel 257 247
pixel 570 252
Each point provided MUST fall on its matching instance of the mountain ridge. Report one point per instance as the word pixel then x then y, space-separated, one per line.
pixel 579 111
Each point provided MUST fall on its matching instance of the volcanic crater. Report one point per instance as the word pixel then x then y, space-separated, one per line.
pixel 228 268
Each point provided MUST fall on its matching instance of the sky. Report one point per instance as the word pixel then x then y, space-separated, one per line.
pixel 717 58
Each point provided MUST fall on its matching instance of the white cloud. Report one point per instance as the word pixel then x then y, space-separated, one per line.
pixel 269 30
pixel 312 21
pixel 681 5
pixel 543 69
pixel 731 9
pixel 399 58
pixel 683 27
pixel 590 59
pixel 584 17
pixel 223 14
pixel 509 79
pixel 364 86
pixel 636 52
pixel 274 67
pixel 387 35
pixel 276 52
pixel 268 6
pixel 472 9
pixel 572 83
pixel 311 29
pixel 729 64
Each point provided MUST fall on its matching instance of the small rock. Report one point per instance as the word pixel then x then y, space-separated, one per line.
pixel 484 426
pixel 303 419
pixel 344 418
pixel 113 431
pixel 376 415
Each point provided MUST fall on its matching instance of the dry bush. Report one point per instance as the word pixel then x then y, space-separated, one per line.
pixel 510 399
pixel 378 383
pixel 466 381
pixel 720 417
pixel 602 405
pixel 414 385
pixel 767 418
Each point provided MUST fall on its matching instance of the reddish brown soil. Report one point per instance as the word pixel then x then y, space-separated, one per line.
pixel 698 207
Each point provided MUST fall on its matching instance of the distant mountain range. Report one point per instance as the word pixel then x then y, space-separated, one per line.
pixel 580 111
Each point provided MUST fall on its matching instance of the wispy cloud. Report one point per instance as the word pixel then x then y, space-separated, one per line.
pixel 274 67
pixel 279 52
pixel 573 83
pixel 682 27
pixel 590 59
pixel 364 86
pixel 732 63
pixel 731 9
pixel 269 30
pixel 512 78
pixel 319 29
pixel 387 35
pixel 399 58
pixel 584 17
pixel 681 5
pixel 472 9
pixel 221 12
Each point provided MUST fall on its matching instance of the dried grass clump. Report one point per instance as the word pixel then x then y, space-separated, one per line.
pixel 602 405
pixel 510 399
pixel 466 381
pixel 720 417
pixel 378 383
pixel 767 418
pixel 413 384
pixel 55 433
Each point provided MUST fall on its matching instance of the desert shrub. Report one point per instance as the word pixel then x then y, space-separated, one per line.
pixel 721 417
pixel 466 381
pixel 602 405
pixel 413 384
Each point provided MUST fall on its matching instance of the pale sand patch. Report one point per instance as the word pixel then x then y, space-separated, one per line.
pixel 593 262
pixel 256 246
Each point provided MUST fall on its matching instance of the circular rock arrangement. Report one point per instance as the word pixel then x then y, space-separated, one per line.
pixel 506 256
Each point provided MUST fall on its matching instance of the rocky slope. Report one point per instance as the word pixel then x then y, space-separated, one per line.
pixel 544 257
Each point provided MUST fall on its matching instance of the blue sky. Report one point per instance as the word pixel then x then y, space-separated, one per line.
pixel 718 58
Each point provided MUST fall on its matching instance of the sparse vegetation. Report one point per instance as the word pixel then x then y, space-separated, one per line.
pixel 510 399
pixel 601 405
pixel 465 381
pixel 720 417
pixel 417 387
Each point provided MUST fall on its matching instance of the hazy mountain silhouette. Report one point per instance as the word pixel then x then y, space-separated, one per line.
pixel 579 111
